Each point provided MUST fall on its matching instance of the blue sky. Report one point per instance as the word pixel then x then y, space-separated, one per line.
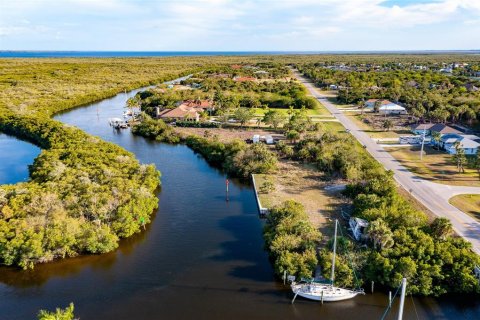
pixel 237 25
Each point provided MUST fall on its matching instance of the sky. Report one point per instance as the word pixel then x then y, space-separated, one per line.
pixel 238 25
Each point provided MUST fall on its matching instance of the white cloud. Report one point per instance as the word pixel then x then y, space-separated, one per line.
pixel 229 24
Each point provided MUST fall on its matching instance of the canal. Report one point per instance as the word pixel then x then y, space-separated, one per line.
pixel 201 258
pixel 15 157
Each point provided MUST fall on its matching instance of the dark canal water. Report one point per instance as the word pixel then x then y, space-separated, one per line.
pixel 15 157
pixel 201 258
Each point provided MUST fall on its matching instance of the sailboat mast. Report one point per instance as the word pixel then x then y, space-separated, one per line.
pixel 402 299
pixel 334 252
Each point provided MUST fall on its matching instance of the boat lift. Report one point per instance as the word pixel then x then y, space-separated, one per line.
pixel 117 123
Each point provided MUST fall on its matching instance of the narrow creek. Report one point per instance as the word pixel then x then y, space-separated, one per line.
pixel 200 258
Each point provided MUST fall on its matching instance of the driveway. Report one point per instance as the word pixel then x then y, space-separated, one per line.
pixel 432 195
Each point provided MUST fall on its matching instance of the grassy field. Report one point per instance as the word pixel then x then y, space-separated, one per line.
pixel 468 203
pixel 436 165
pixel 321 111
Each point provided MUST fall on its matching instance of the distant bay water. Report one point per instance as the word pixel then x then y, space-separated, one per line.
pixel 111 54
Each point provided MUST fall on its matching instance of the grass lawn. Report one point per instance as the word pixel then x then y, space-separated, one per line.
pixel 320 111
pixel 468 203
pixel 436 165
pixel 333 126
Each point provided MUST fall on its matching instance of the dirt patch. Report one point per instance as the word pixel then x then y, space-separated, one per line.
pixel 372 124
pixel 226 135
pixel 306 185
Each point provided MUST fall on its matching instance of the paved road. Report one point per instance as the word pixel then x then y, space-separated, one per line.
pixel 434 196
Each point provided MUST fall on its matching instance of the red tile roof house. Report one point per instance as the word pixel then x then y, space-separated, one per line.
pixel 188 110
pixel 244 79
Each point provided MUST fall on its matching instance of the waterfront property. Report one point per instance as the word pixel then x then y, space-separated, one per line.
pixel 189 110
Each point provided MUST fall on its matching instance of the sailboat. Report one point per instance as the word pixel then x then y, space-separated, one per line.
pixel 325 291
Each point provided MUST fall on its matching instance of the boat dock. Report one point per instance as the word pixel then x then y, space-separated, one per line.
pixel 261 210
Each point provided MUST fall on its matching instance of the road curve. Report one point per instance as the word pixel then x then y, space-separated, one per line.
pixel 434 196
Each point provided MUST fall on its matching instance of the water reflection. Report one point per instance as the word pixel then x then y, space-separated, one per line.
pixel 15 157
pixel 201 258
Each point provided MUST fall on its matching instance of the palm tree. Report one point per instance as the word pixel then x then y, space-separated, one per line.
pixel 387 124
pixel 442 228
pixel 380 234
pixel 471 115
pixel 362 105
pixel 436 136
pixel 459 156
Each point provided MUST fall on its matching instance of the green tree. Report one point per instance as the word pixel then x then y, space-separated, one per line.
pixel 293 135
pixel 59 314
pixel 441 228
pixel 436 136
pixel 243 115
pixel 274 118
pixel 459 156
pixel 387 124
pixel 380 234
pixel 362 105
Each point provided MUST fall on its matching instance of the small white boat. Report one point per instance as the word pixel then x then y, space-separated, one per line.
pixel 321 291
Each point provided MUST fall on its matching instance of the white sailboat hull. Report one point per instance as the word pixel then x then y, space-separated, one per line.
pixel 329 293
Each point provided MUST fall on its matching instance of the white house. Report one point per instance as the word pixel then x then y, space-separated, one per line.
pixel 386 107
pixel 392 109
pixel 467 142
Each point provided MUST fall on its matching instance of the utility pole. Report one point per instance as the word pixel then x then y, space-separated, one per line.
pixel 423 140
pixel 402 299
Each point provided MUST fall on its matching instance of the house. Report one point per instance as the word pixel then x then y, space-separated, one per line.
pixel 443 129
pixel 236 66
pixel 370 103
pixel 469 143
pixel 220 75
pixel 386 107
pixel 358 227
pixel 391 109
pixel 188 110
pixel 422 127
pixel 203 104
pixel 244 79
